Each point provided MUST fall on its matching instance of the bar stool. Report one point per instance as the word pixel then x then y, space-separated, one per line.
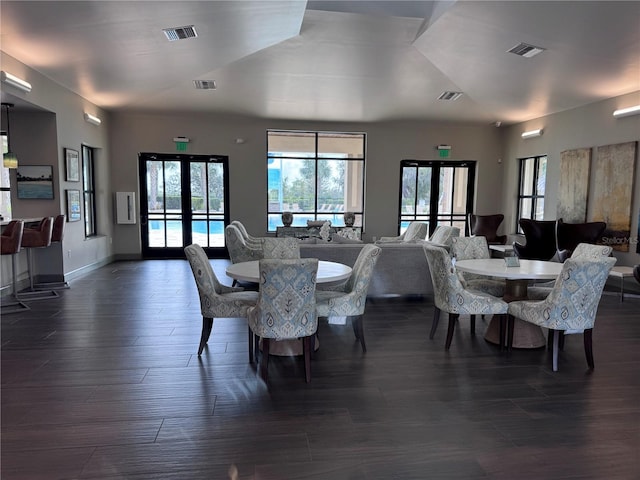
pixel 39 237
pixel 10 245
pixel 57 235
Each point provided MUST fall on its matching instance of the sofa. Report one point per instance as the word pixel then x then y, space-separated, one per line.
pixel 402 268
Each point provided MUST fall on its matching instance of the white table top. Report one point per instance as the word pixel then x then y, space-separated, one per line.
pixel 496 267
pixel 327 271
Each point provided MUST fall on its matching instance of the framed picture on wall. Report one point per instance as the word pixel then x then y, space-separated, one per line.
pixel 73 205
pixel 35 182
pixel 72 165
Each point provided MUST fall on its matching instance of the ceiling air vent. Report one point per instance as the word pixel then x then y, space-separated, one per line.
pixel 205 84
pixel 526 50
pixel 180 33
pixel 450 95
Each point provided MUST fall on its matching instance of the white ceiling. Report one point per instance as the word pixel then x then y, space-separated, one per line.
pixel 333 60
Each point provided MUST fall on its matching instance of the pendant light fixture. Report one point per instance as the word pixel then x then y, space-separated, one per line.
pixel 9 159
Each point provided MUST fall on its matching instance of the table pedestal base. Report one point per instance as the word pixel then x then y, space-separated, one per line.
pixel 525 334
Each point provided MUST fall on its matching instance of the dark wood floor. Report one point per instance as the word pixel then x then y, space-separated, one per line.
pixel 105 383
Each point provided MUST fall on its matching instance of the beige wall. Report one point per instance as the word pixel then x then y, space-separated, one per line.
pixel 586 127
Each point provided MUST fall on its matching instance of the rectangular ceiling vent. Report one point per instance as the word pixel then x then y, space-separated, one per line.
pixel 205 84
pixel 180 33
pixel 450 96
pixel 526 50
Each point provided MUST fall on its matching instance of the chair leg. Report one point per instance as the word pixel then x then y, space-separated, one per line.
pixel 264 360
pixel 306 348
pixel 358 328
pixel 434 323
pixel 588 346
pixel 561 339
pixel 251 343
pixel 556 341
pixel 472 322
pixel 453 318
pixel 510 327
pixel 207 324
pixel 550 339
pixel 503 329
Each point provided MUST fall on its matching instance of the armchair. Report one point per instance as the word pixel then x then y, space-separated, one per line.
pixel 415 231
pixel 216 300
pixel 569 235
pixel 540 239
pixel 487 226
pixel 571 306
pixel 464 248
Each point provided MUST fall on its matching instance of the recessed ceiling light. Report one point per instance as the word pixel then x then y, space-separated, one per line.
pixel 205 84
pixel 450 95
pixel 526 50
pixel 180 33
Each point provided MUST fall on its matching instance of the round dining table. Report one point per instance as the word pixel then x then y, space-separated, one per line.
pixel 328 272
pixel 518 278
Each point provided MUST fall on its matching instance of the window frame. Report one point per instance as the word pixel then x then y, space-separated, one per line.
pixel 316 156
pixel 535 197
pixel 435 217
pixel 89 191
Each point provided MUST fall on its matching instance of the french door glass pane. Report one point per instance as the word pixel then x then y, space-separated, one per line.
pixel 423 197
pixel 408 193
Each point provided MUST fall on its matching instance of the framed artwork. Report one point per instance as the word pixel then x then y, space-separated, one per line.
pixel 573 189
pixel 72 165
pixel 35 182
pixel 73 205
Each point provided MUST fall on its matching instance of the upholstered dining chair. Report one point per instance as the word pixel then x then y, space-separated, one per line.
pixel 415 231
pixel 443 236
pixel 10 245
pixel 487 226
pixel 584 251
pixel 254 242
pixel 450 296
pixel 216 300
pixel 571 306
pixel 350 299
pixel 540 238
pixel 239 250
pixel 286 308
pixel 285 247
pixel 36 237
pixel 466 248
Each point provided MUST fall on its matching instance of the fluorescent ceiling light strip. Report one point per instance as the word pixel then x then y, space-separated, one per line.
pixel 14 81
pixel 627 112
pixel 92 119
pixel 532 133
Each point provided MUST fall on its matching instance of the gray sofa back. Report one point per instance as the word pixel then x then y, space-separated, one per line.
pixel 402 268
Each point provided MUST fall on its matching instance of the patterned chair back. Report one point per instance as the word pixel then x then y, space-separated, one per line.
pixel 444 277
pixel 465 248
pixel 415 231
pixel 573 301
pixel 205 278
pixel 253 242
pixel 286 306
pixel 443 234
pixel 239 251
pixel 587 251
pixel 287 247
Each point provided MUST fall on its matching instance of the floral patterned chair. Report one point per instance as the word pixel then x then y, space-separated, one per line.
pixel 415 231
pixel 350 299
pixel 571 306
pixel 465 248
pixel 286 247
pixel 253 242
pixel 239 250
pixel 216 300
pixel 286 308
pixel 443 236
pixel 584 251
pixel 450 296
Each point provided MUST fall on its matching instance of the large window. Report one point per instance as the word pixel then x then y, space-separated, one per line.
pixel 89 191
pixel 315 175
pixel 5 184
pixel 533 174
pixel 436 193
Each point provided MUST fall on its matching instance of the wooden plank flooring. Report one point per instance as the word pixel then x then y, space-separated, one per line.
pixel 105 383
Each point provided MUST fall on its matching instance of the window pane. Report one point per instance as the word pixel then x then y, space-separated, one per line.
pixel 343 145
pixel 424 190
pixel 525 207
pixel 291 185
pixel 155 182
pixel 542 176
pixel 216 188
pixel 539 211
pixel 408 193
pixel 291 144
pixel 445 200
pixel 527 176
pixel 173 186
pixel 460 191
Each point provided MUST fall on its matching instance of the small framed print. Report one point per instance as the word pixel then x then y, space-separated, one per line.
pixel 512 261
pixel 73 205
pixel 72 165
